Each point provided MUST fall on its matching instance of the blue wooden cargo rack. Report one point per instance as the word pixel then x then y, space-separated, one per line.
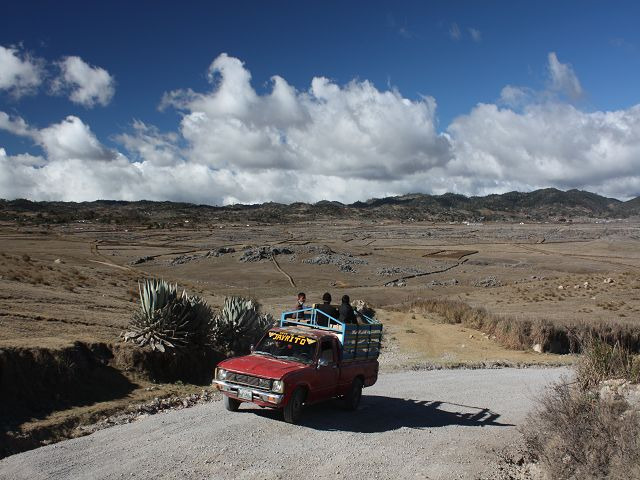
pixel 360 341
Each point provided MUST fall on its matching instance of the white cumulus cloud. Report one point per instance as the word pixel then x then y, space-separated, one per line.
pixel 19 73
pixel 69 139
pixel 548 145
pixel 330 141
pixel 15 125
pixel 86 85
pixel 353 130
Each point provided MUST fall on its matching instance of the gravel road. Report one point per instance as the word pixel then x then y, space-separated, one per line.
pixel 426 424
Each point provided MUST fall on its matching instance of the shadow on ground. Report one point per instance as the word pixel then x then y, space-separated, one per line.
pixel 382 414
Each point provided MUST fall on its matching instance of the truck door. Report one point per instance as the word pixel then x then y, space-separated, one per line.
pixel 326 379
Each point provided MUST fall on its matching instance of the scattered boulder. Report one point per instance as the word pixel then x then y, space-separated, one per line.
pixel 488 282
pixel 608 280
pixel 344 262
pixel 140 260
pixel 621 390
pixel 388 271
pixel 537 348
pixel 263 253
pixel 315 249
pixel 255 255
pixel 184 259
pixel 220 251
pixel 396 283
pixel 560 287
pixel 196 257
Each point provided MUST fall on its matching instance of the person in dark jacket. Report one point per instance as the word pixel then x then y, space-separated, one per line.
pixel 299 306
pixel 327 308
pixel 346 314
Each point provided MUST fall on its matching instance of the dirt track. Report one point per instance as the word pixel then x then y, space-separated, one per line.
pixel 428 424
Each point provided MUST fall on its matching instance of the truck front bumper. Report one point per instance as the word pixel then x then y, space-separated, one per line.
pixel 261 397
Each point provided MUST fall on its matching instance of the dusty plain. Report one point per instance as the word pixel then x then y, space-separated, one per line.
pixel 61 284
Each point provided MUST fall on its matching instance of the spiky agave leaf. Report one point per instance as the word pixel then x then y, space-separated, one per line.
pixel 155 294
pixel 166 321
pixel 239 325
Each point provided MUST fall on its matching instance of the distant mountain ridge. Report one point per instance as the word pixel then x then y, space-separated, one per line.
pixel 539 205
pixel 508 202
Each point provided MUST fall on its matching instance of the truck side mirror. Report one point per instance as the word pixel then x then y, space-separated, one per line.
pixel 323 362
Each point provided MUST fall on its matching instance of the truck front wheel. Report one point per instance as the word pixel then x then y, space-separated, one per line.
pixel 352 399
pixel 231 404
pixel 293 410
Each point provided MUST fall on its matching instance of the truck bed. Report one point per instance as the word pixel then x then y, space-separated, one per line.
pixel 358 342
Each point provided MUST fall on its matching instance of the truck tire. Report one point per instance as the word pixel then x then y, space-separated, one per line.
pixel 293 410
pixel 352 399
pixel 231 404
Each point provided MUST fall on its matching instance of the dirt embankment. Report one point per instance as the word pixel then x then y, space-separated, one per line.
pixel 38 381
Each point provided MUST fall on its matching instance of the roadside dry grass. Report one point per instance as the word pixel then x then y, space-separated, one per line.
pixel 602 361
pixel 588 428
pixel 524 334
pixel 416 339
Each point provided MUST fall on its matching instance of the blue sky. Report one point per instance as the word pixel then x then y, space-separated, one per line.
pixel 460 54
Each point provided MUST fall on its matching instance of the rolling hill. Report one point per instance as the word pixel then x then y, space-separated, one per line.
pixel 547 204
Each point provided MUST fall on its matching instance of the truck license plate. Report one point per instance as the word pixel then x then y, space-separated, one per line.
pixel 245 394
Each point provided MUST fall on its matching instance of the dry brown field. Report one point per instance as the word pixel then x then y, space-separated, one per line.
pixel 77 282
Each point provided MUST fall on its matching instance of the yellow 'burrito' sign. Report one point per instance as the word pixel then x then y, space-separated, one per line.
pixel 291 338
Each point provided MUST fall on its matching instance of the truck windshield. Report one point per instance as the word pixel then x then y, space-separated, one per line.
pixel 286 350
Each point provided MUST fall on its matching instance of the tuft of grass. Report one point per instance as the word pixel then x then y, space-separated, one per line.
pixel 601 361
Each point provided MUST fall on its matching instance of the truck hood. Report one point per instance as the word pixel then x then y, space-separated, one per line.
pixel 261 366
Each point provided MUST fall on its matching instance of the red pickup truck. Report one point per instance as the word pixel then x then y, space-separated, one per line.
pixel 310 357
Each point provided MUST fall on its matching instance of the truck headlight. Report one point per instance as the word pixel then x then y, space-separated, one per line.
pixel 221 374
pixel 278 386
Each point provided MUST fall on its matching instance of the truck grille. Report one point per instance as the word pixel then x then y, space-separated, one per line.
pixel 261 383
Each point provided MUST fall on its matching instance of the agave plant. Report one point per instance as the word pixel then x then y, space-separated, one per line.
pixel 166 320
pixel 239 325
